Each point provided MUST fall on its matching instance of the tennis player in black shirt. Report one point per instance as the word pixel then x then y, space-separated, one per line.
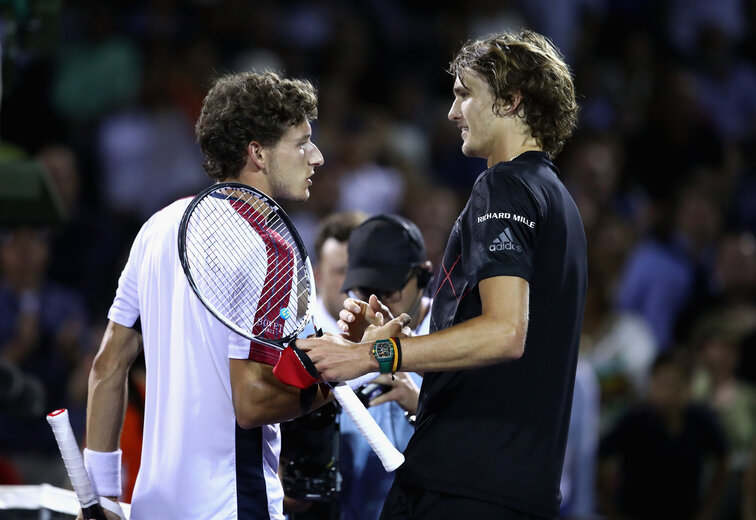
pixel 500 360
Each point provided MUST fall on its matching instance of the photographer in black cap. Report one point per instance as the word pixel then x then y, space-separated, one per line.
pixel 387 259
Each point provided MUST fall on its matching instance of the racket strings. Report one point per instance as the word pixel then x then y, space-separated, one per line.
pixel 214 253
pixel 237 307
pixel 245 265
pixel 278 235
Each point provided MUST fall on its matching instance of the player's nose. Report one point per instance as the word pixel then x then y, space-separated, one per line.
pixel 316 156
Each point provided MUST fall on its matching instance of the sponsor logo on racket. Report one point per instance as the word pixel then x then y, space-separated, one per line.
pixel 285 313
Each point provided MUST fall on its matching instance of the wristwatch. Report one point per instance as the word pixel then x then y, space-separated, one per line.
pixel 383 351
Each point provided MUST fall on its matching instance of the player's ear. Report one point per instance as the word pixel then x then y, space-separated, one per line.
pixel 256 154
pixel 511 106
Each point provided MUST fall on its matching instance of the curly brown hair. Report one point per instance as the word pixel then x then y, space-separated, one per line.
pixel 245 107
pixel 527 63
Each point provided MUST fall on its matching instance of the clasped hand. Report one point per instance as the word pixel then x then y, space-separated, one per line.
pixel 347 356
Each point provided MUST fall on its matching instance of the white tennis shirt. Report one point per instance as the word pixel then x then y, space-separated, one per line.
pixel 196 462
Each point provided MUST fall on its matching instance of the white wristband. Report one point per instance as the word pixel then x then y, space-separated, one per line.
pixel 357 382
pixel 104 470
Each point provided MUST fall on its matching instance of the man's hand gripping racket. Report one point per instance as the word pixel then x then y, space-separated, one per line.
pixel 248 266
pixel 92 506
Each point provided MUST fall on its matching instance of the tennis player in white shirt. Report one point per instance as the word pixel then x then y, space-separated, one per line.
pixel 211 439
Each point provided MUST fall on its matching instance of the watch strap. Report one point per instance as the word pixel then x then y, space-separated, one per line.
pixel 384 351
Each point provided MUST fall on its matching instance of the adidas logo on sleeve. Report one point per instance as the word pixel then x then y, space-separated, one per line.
pixel 505 242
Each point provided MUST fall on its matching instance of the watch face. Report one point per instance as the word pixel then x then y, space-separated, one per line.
pixel 383 350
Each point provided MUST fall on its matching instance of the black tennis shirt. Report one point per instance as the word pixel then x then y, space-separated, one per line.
pixel 498 433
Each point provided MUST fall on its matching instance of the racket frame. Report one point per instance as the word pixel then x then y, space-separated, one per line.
pixel 278 344
pixel 390 457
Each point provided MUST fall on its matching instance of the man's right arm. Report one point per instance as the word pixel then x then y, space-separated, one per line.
pixel 106 404
pixel 260 398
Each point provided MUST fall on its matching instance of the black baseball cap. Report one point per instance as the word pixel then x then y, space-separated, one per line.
pixel 382 252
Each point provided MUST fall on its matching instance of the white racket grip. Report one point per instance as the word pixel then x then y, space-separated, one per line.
pixel 69 450
pixel 391 458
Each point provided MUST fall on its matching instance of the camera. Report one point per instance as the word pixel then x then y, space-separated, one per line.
pixel 310 455
pixel 370 391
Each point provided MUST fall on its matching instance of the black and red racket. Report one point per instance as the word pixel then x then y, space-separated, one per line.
pixel 248 266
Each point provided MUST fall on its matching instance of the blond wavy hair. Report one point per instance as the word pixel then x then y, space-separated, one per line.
pixel 528 64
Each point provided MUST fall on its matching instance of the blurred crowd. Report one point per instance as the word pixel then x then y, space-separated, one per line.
pixel 663 168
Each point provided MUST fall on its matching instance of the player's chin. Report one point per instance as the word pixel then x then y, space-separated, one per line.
pixel 470 151
pixel 302 195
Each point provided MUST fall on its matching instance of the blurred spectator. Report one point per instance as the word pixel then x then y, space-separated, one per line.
pixel 667 269
pixel 99 70
pixel 43 331
pixel 434 209
pixel 685 19
pixel 619 343
pixel 731 283
pixel 407 136
pixel 675 133
pixel 636 73
pixel 742 210
pixel 716 340
pixel 655 462
pixel 142 170
pixel 734 282
pixel 367 184
pixel 749 487
pixel 85 246
pixel 747 367
pixel 490 16
pixel 331 267
pixel 578 484
pixel 562 21
pixel 593 169
pixel 725 84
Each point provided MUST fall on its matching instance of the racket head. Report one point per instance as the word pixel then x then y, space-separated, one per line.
pixel 245 261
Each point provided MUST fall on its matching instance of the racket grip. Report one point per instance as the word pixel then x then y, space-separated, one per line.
pixel 391 458
pixel 77 473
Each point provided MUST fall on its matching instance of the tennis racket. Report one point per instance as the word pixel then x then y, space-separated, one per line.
pixel 248 266
pixel 77 473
